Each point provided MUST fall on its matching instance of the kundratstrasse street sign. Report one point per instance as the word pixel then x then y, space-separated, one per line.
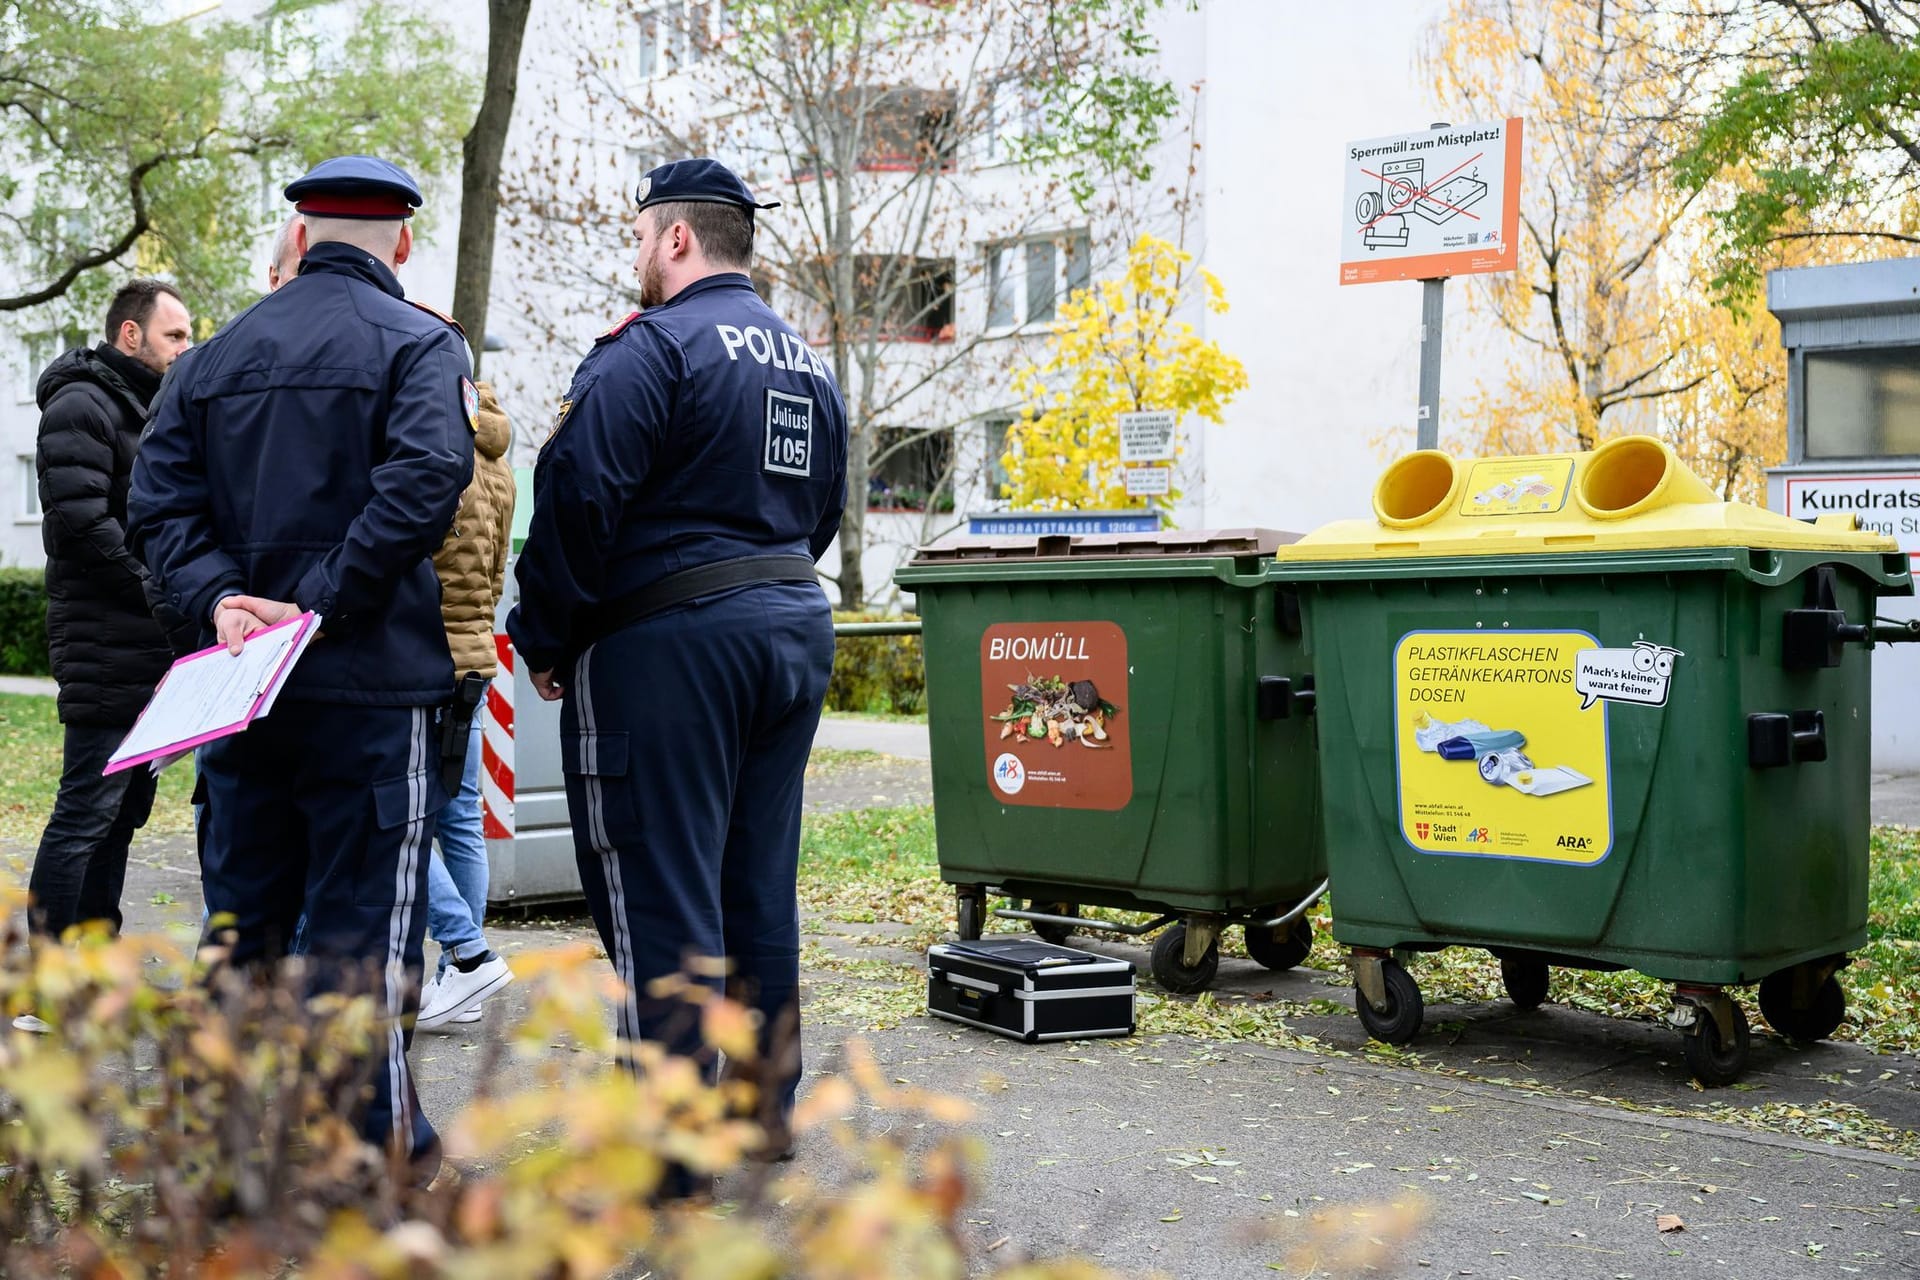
pixel 1886 502
pixel 1424 206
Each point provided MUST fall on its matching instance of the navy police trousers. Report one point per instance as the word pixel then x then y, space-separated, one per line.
pixel 327 809
pixel 684 740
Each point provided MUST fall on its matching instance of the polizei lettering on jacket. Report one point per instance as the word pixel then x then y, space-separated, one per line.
pixel 781 350
pixel 1058 647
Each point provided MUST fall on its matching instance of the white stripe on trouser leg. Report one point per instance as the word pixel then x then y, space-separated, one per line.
pixel 629 1019
pixel 400 924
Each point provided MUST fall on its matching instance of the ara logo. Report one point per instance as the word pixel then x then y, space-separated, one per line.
pixel 1575 842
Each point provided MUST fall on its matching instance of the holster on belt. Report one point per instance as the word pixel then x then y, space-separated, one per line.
pixel 456 727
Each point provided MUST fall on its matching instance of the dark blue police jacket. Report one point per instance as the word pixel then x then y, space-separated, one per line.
pixel 314 450
pixel 698 431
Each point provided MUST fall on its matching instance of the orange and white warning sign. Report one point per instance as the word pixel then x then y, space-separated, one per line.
pixel 1441 202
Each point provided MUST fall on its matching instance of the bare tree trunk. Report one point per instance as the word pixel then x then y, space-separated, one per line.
pixel 480 170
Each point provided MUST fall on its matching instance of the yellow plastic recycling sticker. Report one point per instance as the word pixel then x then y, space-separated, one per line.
pixel 1502 751
pixel 1517 487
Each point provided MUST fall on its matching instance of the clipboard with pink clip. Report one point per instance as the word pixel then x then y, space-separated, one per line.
pixel 213 694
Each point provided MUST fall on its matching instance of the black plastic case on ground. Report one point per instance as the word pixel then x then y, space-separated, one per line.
pixel 1030 990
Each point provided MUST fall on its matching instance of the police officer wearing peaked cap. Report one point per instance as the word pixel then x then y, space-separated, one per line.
pixel 696 472
pixel 310 457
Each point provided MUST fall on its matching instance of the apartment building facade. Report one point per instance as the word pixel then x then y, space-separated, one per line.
pixel 945 308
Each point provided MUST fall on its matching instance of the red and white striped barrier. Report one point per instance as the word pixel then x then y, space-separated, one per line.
pixel 496 749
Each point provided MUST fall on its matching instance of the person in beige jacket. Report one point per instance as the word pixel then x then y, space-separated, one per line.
pixel 472 564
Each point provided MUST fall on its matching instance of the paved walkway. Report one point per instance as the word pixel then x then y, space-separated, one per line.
pixel 1182 1156
pixel 41 685
pixel 903 738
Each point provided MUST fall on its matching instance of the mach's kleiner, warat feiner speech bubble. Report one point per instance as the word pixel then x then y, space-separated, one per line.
pixel 1639 675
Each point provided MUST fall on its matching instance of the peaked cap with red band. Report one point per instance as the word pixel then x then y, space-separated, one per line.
pixel 355 187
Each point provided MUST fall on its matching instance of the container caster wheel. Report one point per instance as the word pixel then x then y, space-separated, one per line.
pixel 1713 1060
pixel 1525 979
pixel 1054 933
pixel 1399 1021
pixel 1814 1021
pixel 1170 968
pixel 1279 949
pixel 970 911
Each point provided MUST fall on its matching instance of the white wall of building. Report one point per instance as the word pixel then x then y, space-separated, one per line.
pixel 1332 369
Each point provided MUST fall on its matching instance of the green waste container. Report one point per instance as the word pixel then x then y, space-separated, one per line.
pixel 1118 721
pixel 1575 710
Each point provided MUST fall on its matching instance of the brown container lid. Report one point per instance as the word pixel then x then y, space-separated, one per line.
pixel 1168 544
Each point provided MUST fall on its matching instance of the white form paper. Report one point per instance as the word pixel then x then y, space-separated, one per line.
pixel 215 692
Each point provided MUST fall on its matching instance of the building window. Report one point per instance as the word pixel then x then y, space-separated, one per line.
pixel 1015 114
pixel 29 488
pixel 910 299
pixel 910 130
pixel 642 159
pixel 675 34
pixel 914 471
pixel 37 351
pixel 892 298
pixel 1027 280
pixel 901 130
pixel 1863 404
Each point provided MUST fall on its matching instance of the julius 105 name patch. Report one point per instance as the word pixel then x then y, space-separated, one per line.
pixel 789 449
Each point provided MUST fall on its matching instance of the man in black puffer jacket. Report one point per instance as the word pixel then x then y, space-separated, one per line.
pixel 107 647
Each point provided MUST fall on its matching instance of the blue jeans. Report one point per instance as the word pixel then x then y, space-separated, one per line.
pixel 457 879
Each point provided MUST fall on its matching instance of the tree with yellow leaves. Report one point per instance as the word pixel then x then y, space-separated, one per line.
pixel 1613 322
pixel 1116 347
pixel 1595 338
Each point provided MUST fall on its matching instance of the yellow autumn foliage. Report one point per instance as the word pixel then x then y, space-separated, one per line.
pixel 1117 347
pixel 1609 326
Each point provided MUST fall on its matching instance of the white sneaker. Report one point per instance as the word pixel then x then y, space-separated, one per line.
pixel 38 1026
pixel 461 990
pixel 472 1015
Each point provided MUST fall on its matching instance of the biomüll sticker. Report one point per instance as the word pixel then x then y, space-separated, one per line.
pixel 1054 711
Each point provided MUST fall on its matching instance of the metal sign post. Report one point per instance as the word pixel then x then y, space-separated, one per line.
pixel 1433 310
pixel 1425 206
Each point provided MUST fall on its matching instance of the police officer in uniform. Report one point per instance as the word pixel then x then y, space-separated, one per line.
pixel 696 472
pixel 310 457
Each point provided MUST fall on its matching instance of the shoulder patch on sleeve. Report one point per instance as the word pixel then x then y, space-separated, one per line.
pixel 441 316
pixel 619 327
pixel 583 381
pixel 470 401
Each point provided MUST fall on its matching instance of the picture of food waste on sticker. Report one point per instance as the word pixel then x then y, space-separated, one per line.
pixel 1053 698
pixel 1049 707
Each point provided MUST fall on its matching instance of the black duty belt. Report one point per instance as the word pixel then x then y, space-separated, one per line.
pixel 691 584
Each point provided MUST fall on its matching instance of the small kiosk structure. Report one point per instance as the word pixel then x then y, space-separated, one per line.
pixel 1852 335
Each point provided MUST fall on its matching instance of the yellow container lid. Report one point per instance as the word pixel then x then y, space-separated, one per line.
pixel 1631 494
